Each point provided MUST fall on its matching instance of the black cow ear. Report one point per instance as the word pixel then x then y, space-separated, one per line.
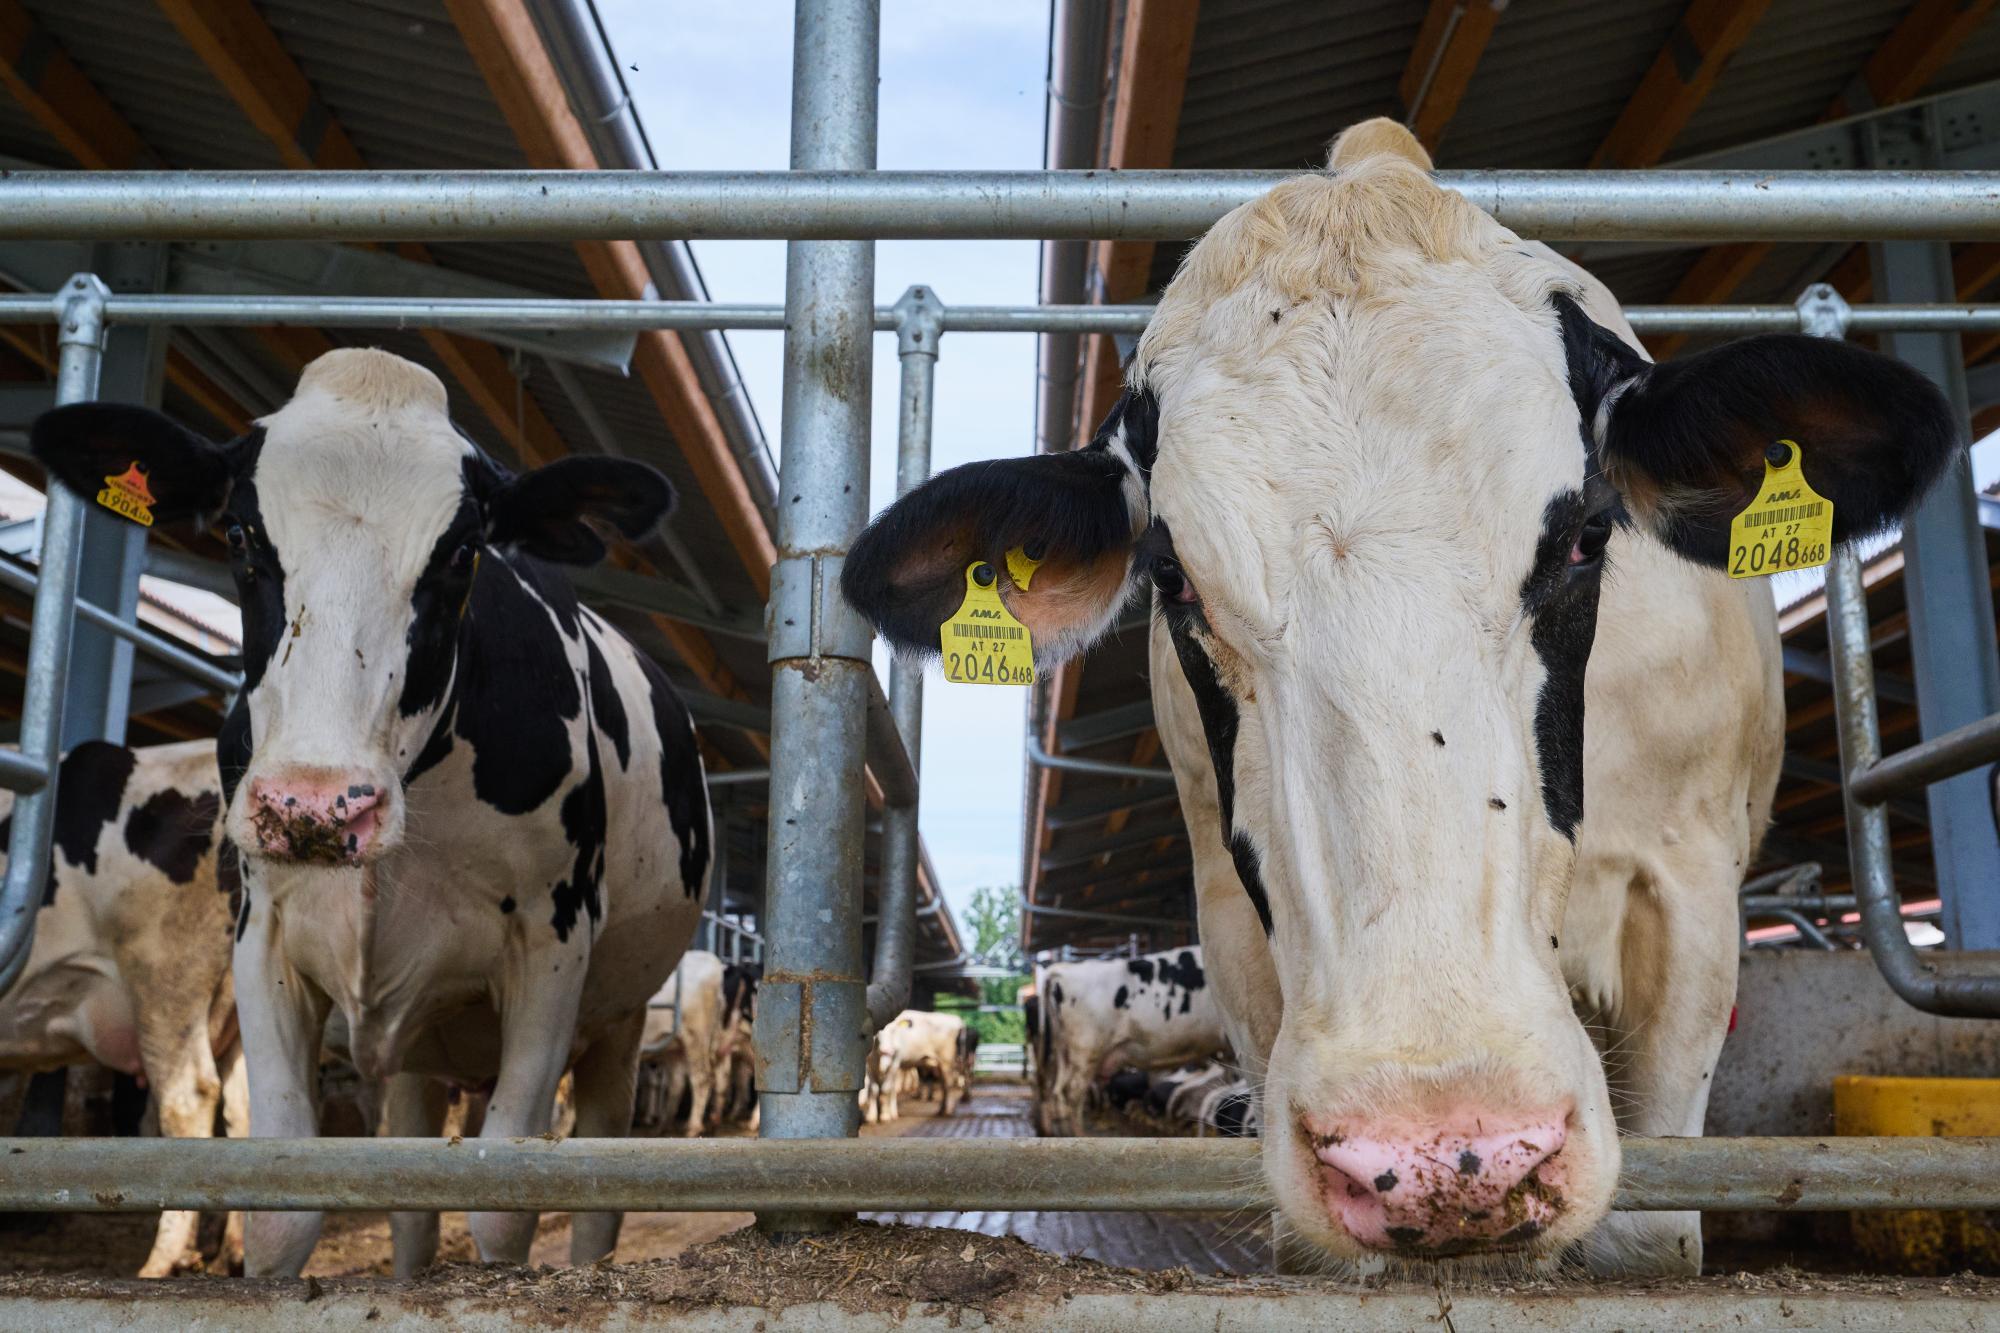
pixel 84 445
pixel 1076 512
pixel 543 511
pixel 1684 442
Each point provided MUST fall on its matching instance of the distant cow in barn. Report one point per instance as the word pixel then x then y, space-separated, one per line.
pixel 694 1026
pixel 1394 478
pixel 915 1041
pixel 130 966
pixel 472 815
pixel 1097 1017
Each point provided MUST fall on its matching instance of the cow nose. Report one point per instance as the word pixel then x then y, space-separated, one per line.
pixel 328 821
pixel 1471 1183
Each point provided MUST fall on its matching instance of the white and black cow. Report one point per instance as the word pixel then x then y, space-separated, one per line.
pixel 1099 1016
pixel 473 817
pixel 130 965
pixel 1389 474
pixel 696 1026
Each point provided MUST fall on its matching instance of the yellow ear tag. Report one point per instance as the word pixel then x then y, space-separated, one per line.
pixel 128 496
pixel 1788 526
pixel 1021 567
pixel 983 644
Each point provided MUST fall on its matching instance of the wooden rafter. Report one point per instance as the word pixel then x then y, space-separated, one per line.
pixel 1446 55
pixel 505 45
pixel 1153 56
pixel 1678 81
pixel 1906 60
pixel 62 99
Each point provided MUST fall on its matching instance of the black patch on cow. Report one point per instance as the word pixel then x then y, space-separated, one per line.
pixel 1385 1182
pixel 1133 421
pixel 517 689
pixel 1141 968
pixel 1119 1000
pixel 605 706
pixel 583 824
pixel 1561 602
pixel 681 785
pixel 1468 1163
pixel 507 905
pixel 1055 995
pixel 90 788
pixel 232 760
pixel 436 746
pixel 1183 970
pixel 1219 723
pixel 1232 1115
pixel 173 831
pixel 438 606
pixel 259 571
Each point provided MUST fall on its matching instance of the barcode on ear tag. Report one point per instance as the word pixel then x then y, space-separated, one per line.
pixel 983 644
pixel 1787 526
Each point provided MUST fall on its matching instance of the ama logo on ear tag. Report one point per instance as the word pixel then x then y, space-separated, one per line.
pixel 983 644
pixel 128 496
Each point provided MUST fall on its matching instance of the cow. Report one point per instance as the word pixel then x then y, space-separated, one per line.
pixel 915 1041
pixel 1098 1016
pixel 695 1026
pixel 472 815
pixel 130 963
pixel 1393 478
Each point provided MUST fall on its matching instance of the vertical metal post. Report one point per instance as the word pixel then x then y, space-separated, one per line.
pixel 812 1008
pixel 98 690
pixel 1951 612
pixel 80 332
pixel 919 324
pixel 718 875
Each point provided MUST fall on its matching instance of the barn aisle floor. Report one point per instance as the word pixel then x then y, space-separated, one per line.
pixel 1200 1242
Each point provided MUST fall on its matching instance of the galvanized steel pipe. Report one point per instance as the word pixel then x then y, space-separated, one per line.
pixel 920 320
pixel 148 641
pixel 1957 751
pixel 80 333
pixel 906 1175
pixel 812 1005
pixel 814 203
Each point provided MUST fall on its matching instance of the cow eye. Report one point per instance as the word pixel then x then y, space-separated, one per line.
pixel 464 557
pixel 1171 580
pixel 1590 541
pixel 235 536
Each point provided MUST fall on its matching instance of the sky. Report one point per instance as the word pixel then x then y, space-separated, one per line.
pixel 962 88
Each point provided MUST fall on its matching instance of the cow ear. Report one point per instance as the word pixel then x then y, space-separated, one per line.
pixel 1684 442
pixel 544 511
pixel 84 445
pixel 1078 513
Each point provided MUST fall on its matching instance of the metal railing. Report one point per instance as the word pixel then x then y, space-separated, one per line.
pixel 819 730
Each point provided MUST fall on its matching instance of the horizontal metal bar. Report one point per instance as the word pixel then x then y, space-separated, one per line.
pixel 146 640
pixel 1957 751
pixel 20 773
pixel 1039 755
pixel 477 314
pixel 1115 918
pixel 904 1175
pixel 739 777
pixel 1032 205
pixel 1755 904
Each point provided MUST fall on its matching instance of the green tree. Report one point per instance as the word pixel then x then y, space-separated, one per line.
pixel 995 917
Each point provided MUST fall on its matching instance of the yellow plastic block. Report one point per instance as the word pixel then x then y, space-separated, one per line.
pixel 1923 1242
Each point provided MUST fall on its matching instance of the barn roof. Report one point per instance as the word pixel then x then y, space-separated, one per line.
pixel 410 85
pixel 1555 84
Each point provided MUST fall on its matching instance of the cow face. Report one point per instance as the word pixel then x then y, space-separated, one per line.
pixel 1369 470
pixel 358 521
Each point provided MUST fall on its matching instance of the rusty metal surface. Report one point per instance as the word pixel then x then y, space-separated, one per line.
pixel 1238 1242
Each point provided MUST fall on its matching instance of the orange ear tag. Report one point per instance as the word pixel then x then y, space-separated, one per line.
pixel 128 496
pixel 983 644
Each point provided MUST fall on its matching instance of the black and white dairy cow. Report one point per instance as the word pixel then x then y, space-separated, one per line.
pixel 130 964
pixel 473 816
pixel 1098 1016
pixel 1392 478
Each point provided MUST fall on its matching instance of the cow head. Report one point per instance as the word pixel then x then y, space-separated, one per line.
pixel 1368 468
pixel 358 522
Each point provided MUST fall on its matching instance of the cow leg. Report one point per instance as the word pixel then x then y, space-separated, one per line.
pixel 174 1051
pixel 236 1124
pixel 537 1028
pixel 605 1080
pixel 677 1082
pixel 701 1085
pixel 281 1015
pixel 414 1108
pixel 1677 953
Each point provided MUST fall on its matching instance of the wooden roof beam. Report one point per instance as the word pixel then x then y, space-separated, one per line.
pixel 1441 65
pixel 1907 59
pixel 1678 82
pixel 62 99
